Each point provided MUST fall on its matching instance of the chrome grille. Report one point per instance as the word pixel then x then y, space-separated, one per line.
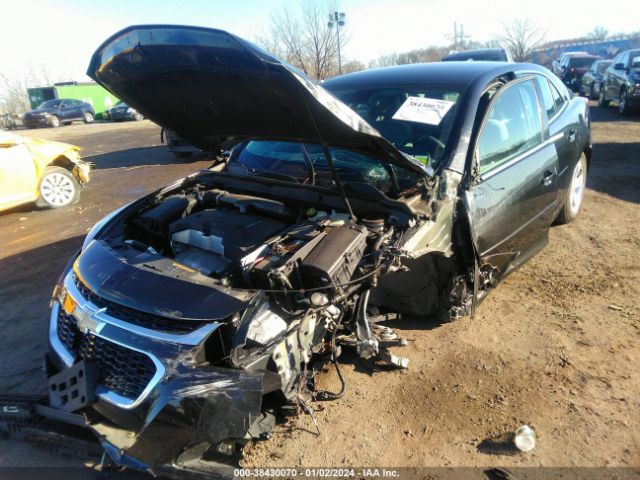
pixel 120 369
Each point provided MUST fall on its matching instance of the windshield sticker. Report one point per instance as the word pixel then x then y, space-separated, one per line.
pixel 423 110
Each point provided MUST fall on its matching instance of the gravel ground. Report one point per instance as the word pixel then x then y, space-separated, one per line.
pixel 555 346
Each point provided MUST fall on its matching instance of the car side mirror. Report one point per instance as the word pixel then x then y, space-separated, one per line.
pixel 618 66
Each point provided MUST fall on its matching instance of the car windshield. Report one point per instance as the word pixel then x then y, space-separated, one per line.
pixel 50 104
pixel 306 163
pixel 581 62
pixel 602 66
pixel 417 120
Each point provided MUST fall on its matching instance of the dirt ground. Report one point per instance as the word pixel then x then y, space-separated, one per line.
pixel 555 346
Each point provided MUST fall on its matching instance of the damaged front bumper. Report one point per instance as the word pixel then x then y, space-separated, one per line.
pixel 148 401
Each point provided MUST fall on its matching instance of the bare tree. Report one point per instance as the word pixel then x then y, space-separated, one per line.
pixel 598 33
pixel 353 66
pixel 303 38
pixel 14 94
pixel 521 37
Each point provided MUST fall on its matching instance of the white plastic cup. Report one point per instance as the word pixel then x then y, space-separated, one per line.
pixel 525 438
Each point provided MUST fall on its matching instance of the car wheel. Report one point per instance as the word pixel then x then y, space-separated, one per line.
pixel 87 117
pixel 575 193
pixel 623 103
pixel 54 121
pixel 58 188
pixel 602 100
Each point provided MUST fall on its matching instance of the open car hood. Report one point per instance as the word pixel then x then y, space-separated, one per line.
pixel 214 88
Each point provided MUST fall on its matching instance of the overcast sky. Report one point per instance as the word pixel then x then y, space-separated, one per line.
pixel 61 35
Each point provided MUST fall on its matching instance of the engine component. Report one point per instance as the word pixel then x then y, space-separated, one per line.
pixel 229 233
pixel 207 263
pixel 335 258
pixel 157 219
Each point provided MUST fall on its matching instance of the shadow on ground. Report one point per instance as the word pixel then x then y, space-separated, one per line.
pixel 138 156
pixel 26 284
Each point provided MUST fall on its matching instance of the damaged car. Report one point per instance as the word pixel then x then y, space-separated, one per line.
pixel 191 315
pixel 51 174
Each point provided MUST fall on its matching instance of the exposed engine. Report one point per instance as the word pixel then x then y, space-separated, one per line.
pixel 246 242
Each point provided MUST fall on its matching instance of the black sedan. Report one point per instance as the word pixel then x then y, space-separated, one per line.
pixel 621 82
pixel 205 306
pixel 121 111
pixel 52 113
pixel 592 79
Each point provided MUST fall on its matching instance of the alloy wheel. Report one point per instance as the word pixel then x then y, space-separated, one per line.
pixel 57 189
pixel 577 187
pixel 622 103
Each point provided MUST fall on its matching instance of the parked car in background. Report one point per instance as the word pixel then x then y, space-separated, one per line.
pixel 177 145
pixel 10 121
pixel 481 54
pixel 562 60
pixel 621 82
pixel 49 173
pixel 573 67
pixel 592 79
pixel 121 112
pixel 52 113
pixel 204 305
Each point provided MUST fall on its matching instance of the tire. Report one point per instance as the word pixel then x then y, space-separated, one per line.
pixel 574 195
pixel 602 100
pixel 87 117
pixel 623 103
pixel 54 121
pixel 58 188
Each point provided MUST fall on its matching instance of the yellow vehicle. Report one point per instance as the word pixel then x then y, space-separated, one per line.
pixel 48 173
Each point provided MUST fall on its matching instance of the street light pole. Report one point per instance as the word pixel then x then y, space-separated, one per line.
pixel 337 18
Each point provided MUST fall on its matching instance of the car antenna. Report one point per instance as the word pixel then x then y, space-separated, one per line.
pixel 332 167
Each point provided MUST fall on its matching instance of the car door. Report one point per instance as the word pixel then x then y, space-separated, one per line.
pixel 561 128
pixel 616 78
pixel 77 109
pixel 18 175
pixel 65 110
pixel 510 203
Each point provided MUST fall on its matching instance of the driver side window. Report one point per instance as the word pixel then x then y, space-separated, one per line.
pixel 511 127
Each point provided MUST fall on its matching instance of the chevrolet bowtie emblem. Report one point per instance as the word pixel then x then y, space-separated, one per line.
pixel 86 317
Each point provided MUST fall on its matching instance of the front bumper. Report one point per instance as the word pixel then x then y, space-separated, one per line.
pixel 178 406
pixel 89 319
pixel 35 121
pixel 116 116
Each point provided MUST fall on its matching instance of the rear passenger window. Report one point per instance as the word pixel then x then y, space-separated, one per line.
pixel 557 98
pixel 511 127
pixel 547 100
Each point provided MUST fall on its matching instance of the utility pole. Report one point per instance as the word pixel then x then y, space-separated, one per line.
pixel 337 19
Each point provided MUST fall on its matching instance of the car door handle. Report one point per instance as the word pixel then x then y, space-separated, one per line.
pixel 572 135
pixel 547 178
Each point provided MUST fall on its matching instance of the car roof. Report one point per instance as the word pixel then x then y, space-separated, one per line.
pixel 479 52
pixel 585 55
pixel 434 73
